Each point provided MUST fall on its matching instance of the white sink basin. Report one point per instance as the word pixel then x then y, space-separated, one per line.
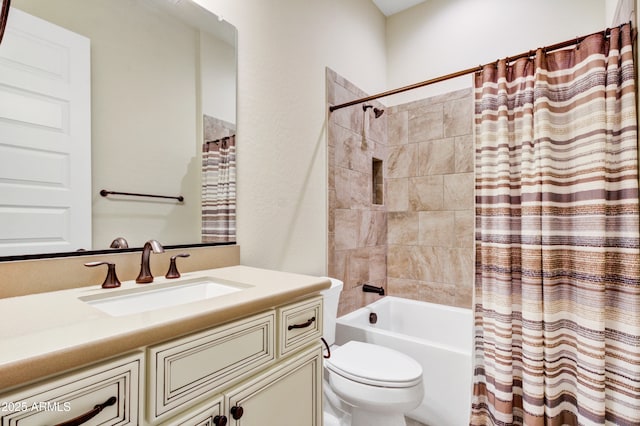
pixel 156 296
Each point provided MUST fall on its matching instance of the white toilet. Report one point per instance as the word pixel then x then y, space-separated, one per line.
pixel 366 384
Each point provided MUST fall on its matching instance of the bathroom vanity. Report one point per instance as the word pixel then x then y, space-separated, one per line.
pixel 248 356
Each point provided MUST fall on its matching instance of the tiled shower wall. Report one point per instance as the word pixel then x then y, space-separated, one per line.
pixel 416 237
pixel 357 225
pixel 430 200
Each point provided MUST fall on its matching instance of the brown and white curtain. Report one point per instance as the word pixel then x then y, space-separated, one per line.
pixel 219 190
pixel 557 292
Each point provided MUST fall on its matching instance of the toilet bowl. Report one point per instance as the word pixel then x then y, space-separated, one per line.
pixel 366 384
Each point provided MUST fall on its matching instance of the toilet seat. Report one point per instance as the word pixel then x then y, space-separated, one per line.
pixel 374 365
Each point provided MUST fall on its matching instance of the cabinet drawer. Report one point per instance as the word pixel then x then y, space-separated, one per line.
pixel 199 416
pixel 185 371
pixel 299 324
pixel 72 395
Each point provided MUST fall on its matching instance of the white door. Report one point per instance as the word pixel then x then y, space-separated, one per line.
pixel 45 138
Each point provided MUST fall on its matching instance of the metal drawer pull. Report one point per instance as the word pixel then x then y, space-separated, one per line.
pixel 89 415
pixel 305 325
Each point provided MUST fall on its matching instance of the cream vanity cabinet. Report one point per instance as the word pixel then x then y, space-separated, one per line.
pixel 264 369
pixel 261 370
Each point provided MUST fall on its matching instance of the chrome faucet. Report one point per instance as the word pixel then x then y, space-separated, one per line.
pixel 145 271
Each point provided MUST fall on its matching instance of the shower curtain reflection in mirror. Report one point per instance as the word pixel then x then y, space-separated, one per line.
pixel 219 190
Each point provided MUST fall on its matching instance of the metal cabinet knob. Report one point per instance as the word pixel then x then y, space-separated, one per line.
pixel 236 412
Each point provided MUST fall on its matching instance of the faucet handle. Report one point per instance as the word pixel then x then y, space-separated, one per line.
pixel 173 269
pixel 111 281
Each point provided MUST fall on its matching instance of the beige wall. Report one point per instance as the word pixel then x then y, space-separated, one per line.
pixel 477 32
pixel 284 47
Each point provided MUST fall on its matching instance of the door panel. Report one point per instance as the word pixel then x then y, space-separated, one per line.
pixel 45 138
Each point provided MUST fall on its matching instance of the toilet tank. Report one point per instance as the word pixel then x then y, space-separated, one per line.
pixel 331 297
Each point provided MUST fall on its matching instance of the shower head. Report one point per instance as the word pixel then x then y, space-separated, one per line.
pixel 376 111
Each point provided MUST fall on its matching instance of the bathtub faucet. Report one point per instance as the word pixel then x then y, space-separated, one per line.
pixel 368 288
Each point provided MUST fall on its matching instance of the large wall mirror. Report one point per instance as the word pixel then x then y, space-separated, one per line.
pixel 162 82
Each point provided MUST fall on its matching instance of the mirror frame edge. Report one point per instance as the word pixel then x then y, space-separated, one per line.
pixel 54 255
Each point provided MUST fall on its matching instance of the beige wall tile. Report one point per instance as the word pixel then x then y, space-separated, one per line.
pixel 458 117
pixel 397 196
pixel 373 228
pixel 378 126
pixel 358 272
pixel 444 294
pixel 378 265
pixel 361 190
pixel 338 267
pixel 437 228
pixel 464 296
pixel 426 123
pixel 458 191
pixel 402 161
pixel 434 264
pixel 426 193
pixel 464 228
pixel 398 128
pixel 350 152
pixel 403 228
pixel 404 262
pixel 347 226
pixel 464 153
pixel 408 289
pixel 343 178
pixel 436 157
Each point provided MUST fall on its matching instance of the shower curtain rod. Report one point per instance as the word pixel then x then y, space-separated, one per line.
pixel 556 46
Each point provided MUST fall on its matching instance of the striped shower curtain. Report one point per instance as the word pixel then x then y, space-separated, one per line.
pixel 219 190
pixel 557 292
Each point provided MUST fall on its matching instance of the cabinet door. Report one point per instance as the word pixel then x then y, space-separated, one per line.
pixel 289 394
pixel 203 415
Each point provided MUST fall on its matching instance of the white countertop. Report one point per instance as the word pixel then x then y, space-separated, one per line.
pixel 49 333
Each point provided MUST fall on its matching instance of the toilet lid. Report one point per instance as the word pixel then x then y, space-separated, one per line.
pixel 374 365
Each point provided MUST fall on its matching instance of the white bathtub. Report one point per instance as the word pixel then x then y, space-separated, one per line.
pixel 439 337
